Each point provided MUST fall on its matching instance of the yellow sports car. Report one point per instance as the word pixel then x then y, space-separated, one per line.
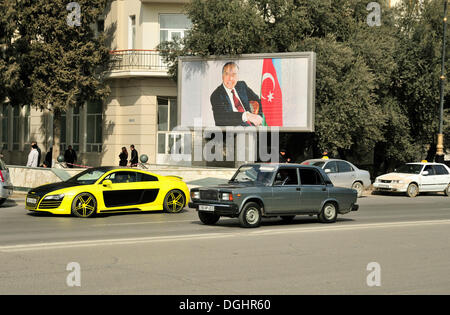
pixel 110 190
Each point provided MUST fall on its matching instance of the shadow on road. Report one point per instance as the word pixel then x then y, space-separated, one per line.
pixel 297 221
pixel 9 203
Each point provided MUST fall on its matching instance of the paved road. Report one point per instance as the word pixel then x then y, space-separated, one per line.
pixel 159 253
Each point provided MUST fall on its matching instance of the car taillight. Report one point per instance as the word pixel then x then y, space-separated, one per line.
pixel 1 176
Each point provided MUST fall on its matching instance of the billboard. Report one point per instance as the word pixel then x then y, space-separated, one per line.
pixel 258 90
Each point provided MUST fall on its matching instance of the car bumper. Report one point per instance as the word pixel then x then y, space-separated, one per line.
pixel 6 191
pixel 390 187
pixel 62 207
pixel 222 209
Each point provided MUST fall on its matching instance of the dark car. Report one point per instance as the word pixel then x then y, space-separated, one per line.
pixel 273 190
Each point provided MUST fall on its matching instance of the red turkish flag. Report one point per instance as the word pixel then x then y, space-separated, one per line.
pixel 271 97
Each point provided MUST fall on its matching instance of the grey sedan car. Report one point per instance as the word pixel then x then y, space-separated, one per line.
pixel 6 187
pixel 273 190
pixel 343 173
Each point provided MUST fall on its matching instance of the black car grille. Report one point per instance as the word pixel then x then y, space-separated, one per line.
pixel 386 181
pixel 50 204
pixel 209 195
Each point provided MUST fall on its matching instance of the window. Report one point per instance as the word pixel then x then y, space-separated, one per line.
pixel 16 127
pixel 332 166
pixel 76 129
pixel 344 167
pixel 94 127
pixel 286 176
pixel 122 177
pixel 141 177
pixel 440 170
pixel 173 26
pixel 100 26
pixel 310 177
pixel 132 32
pixel 26 127
pixel 429 169
pixel 63 134
pixel 4 118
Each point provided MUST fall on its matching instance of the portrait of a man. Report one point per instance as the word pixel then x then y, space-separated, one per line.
pixel 233 102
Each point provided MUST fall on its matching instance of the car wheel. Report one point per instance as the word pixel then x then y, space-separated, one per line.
pixel 250 216
pixel 174 201
pixel 84 205
pixel 328 213
pixel 446 191
pixel 208 218
pixel 287 218
pixel 2 201
pixel 358 186
pixel 412 191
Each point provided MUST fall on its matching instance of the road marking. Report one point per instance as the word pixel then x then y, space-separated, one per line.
pixel 138 223
pixel 190 237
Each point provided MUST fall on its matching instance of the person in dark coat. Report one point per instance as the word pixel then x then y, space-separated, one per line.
pixel 134 156
pixel 48 158
pixel 70 156
pixel 284 158
pixel 123 156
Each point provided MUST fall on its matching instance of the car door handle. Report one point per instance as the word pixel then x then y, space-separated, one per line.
pixel 298 189
pixel 324 189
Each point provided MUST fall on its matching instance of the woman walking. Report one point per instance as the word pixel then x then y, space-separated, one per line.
pixel 123 156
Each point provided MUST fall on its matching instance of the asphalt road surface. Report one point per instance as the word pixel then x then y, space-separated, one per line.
pixel 392 245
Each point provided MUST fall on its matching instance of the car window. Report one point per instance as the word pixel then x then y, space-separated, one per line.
pixel 318 164
pixel 122 177
pixel 429 169
pixel 344 167
pixel 141 177
pixel 310 177
pixel 440 170
pixel 286 176
pixel 332 166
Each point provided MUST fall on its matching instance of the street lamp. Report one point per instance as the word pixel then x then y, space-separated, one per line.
pixel 440 137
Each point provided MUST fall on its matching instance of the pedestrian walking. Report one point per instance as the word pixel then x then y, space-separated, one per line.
pixel 70 156
pixel 33 156
pixel 39 151
pixel 123 156
pixel 48 158
pixel 134 156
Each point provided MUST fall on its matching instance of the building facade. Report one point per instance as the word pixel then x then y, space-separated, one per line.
pixel 141 108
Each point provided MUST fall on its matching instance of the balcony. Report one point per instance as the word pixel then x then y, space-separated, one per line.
pixel 137 62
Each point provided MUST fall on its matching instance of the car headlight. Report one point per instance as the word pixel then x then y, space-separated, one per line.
pixel 195 195
pixel 55 197
pixel 227 197
pixel 377 180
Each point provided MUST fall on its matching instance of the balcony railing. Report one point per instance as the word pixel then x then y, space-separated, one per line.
pixel 137 59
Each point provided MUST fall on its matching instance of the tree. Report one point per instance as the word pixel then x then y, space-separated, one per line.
pixel 60 66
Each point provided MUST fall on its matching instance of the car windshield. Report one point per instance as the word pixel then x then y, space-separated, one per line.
pixel 87 177
pixel 409 169
pixel 255 174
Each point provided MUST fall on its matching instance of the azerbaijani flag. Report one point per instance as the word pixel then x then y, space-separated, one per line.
pixel 271 96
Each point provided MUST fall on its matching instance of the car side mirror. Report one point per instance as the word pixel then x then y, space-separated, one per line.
pixel 425 173
pixel 327 170
pixel 107 183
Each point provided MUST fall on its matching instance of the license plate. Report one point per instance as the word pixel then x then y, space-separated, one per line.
pixel 205 208
pixel 31 200
pixel 384 186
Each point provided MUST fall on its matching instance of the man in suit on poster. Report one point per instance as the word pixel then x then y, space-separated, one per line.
pixel 233 102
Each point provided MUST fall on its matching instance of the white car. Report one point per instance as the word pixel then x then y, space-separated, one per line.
pixel 343 173
pixel 414 178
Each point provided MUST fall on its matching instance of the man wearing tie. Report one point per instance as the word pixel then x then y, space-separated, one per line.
pixel 233 102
